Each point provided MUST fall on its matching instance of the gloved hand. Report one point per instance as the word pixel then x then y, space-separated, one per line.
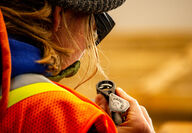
pixel 137 119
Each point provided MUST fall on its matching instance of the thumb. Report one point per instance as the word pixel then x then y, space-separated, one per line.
pixel 120 92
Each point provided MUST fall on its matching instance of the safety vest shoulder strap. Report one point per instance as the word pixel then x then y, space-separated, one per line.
pixel 21 93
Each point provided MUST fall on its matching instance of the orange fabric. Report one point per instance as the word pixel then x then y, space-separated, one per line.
pixel 56 112
pixel 6 65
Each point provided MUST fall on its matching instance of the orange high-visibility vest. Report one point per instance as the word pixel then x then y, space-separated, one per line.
pixel 46 107
pixel 49 108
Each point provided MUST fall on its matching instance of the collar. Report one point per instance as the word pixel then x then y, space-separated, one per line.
pixel 24 57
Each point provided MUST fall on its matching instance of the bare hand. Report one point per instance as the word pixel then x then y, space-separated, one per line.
pixel 137 120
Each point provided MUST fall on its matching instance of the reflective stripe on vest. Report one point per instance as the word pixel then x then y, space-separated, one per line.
pixel 21 93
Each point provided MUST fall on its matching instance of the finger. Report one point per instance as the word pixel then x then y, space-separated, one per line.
pixel 133 102
pixel 103 103
pixel 120 92
pixel 122 129
pixel 146 115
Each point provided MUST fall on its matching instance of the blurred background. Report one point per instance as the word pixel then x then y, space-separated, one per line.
pixel 149 55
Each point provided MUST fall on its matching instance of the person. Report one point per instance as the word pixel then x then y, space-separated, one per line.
pixel 42 40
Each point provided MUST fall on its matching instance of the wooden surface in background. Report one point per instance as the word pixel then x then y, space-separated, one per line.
pixel 176 127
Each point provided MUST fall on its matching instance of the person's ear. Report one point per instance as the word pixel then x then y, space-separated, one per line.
pixel 56 18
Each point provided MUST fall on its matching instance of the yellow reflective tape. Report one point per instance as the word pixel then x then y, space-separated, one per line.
pixel 21 93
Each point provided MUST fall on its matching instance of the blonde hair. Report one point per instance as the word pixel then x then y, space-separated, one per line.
pixel 36 24
pixel 93 55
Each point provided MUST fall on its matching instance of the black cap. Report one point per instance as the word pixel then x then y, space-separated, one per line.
pixel 88 6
